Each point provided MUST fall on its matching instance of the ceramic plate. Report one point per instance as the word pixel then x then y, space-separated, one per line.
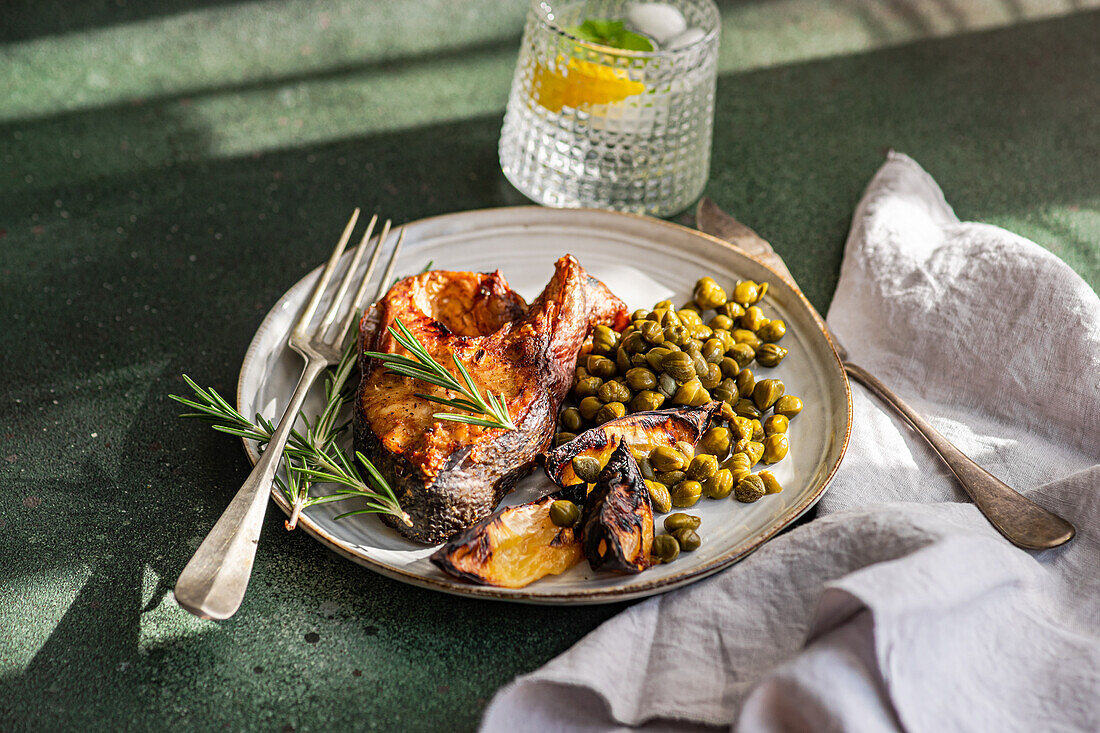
pixel 642 260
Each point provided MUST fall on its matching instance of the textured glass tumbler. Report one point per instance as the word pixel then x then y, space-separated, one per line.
pixel 591 126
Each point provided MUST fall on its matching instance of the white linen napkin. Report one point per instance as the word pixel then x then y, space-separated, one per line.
pixel 900 607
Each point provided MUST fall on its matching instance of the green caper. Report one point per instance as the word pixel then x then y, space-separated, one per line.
pixel 724 393
pixel 788 406
pixel 746 408
pixel 773 330
pixel 686 448
pixel 745 336
pixel 771 485
pixel 686 493
pixel 742 354
pixel 770 355
pixel 679 365
pixel 721 322
pixel 665 549
pixel 760 291
pixel 587 468
pixel 656 357
pixel 665 458
pixel 725 409
pixel 670 478
pixel 689 318
pixel 691 393
pixel 754 318
pixel 679 520
pixel 702 367
pixel 666 385
pixel 719 485
pixel 688 539
pixel 659 496
pixel 646 401
pixel 709 294
pixel 730 368
pixel 746 382
pixel 669 318
pixel 746 292
pixel 644 467
pixel 755 449
pixel 656 315
pixel 730 384
pixel 665 304
pixel 757 431
pixel 600 366
pixel 712 378
pixel 604 340
pixel 731 310
pixel 725 337
pixel 571 419
pixel 742 444
pixel 693 346
pixel 589 406
pixel 766 392
pixel 691 306
pixel 713 351
pixel 613 392
pixel 738 461
pixel 653 332
pixel 775 448
pixel 743 426
pixel 702 467
pixel 563 438
pixel 702 332
pixel 622 360
pixel 580 372
pixel 715 441
pixel 776 424
pixel 749 489
pixel 587 387
pixel 638 361
pixel 564 513
pixel 610 411
pixel 639 315
pixel 674 335
pixel 634 343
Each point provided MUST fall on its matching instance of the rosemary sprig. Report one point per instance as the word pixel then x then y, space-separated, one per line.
pixel 424 367
pixel 312 457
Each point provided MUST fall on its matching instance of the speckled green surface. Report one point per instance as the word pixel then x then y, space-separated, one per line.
pixel 165 174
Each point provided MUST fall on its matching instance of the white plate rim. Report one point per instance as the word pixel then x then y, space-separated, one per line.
pixel 596 595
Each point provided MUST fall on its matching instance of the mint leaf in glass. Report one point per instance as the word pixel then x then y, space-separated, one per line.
pixel 610 33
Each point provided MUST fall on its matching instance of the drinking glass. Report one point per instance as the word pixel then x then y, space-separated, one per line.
pixel 592 126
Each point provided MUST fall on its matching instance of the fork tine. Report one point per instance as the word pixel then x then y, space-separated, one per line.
pixel 357 301
pixel 345 284
pixel 326 275
pixel 384 283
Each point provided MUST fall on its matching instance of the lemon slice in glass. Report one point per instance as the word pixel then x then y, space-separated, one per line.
pixel 580 83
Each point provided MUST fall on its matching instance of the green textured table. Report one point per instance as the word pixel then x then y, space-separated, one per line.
pixel 168 169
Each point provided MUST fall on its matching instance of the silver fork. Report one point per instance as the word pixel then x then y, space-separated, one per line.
pixel 213 583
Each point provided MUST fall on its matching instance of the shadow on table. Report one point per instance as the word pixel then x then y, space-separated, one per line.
pixel 173 267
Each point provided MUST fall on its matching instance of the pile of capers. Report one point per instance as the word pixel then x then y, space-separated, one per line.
pixel 670 357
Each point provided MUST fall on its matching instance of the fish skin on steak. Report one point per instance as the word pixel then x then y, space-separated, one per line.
pixel 448 476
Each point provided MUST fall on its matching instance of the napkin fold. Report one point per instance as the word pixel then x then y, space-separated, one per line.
pixel 900 607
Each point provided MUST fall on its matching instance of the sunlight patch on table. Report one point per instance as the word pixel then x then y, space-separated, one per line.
pixel 44 598
pixel 165 623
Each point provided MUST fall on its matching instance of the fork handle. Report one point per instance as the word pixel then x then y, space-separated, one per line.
pixel 1023 522
pixel 213 583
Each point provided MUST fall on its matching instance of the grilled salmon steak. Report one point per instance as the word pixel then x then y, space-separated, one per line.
pixel 448 476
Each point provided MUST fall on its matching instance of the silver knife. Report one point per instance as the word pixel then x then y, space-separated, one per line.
pixel 1023 522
